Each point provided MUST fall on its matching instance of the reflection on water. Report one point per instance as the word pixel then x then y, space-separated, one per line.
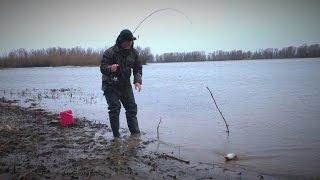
pixel 270 105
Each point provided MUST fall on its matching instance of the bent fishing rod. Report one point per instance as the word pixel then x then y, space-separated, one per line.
pixel 157 11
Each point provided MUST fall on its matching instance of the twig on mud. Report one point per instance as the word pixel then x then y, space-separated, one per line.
pixel 205 178
pixel 13 168
pixel 176 158
pixel 4 144
pixel 3 147
pixel 25 174
pixel 88 178
pixel 219 110
pixel 158 128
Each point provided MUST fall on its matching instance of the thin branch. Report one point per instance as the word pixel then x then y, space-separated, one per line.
pixel 176 158
pixel 89 175
pixel 158 128
pixel 219 110
pixel 25 175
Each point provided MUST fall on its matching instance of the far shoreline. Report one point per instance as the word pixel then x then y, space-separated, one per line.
pixel 245 60
pixel 78 56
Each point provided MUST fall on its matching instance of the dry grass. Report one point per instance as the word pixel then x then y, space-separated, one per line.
pixel 57 56
pixel 51 57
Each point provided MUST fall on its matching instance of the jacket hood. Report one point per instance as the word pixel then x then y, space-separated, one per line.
pixel 125 35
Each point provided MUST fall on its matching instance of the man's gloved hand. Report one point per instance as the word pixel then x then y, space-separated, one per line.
pixel 138 86
pixel 114 67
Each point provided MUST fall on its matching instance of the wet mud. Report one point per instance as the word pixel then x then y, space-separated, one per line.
pixel 34 145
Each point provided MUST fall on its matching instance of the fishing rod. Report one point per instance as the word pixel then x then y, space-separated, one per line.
pixel 159 10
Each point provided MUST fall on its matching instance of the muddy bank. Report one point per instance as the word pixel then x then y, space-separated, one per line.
pixel 33 144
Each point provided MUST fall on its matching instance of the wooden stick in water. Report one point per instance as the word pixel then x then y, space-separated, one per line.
pixel 219 110
pixel 176 158
pixel 158 128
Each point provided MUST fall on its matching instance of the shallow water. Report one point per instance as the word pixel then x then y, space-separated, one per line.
pixel 272 107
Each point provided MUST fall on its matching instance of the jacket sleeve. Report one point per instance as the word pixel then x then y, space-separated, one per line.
pixel 137 70
pixel 106 63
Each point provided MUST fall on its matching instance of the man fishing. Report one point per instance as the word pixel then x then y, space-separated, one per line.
pixel 115 67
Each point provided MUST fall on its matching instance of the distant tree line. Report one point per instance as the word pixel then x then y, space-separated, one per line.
pixel 78 56
pixel 145 55
pixel 182 57
pixel 304 51
pixel 57 56
pixel 54 56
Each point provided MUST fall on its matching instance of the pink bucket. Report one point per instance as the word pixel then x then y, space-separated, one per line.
pixel 66 118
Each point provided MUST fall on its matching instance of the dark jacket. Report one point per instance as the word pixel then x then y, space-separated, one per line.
pixel 127 60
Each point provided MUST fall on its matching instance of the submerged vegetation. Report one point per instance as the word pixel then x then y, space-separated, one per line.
pixel 77 56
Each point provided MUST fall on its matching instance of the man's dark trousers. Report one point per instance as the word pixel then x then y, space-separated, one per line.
pixel 124 94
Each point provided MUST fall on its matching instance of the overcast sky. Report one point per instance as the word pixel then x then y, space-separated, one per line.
pixel 216 25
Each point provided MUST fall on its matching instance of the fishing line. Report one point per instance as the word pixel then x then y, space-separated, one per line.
pixel 159 10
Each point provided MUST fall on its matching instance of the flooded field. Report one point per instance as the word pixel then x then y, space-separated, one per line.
pixel 272 107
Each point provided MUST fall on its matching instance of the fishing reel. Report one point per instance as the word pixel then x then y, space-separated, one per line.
pixel 114 80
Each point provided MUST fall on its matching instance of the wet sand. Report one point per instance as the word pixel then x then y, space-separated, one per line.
pixel 33 145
